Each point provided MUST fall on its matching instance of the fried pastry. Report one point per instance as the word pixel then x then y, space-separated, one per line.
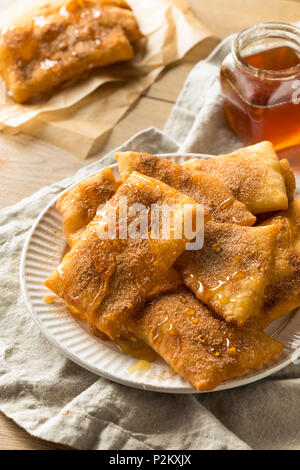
pixel 59 41
pixel 107 279
pixel 203 188
pixel 230 273
pixel 199 345
pixel 253 174
pixel 289 178
pixel 283 292
pixel 79 205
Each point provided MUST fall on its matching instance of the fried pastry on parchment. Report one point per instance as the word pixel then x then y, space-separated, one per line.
pixel 283 292
pixel 230 273
pixel 60 40
pixel 253 174
pixel 199 345
pixel 79 205
pixel 203 188
pixel 108 279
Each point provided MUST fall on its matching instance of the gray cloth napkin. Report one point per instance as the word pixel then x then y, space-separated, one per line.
pixel 55 399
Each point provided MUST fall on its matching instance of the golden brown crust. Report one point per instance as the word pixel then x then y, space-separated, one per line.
pixel 109 279
pixel 231 271
pixel 79 205
pixel 57 42
pixel 203 188
pixel 201 347
pixel 253 174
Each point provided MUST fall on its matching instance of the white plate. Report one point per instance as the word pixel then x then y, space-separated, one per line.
pixel 42 253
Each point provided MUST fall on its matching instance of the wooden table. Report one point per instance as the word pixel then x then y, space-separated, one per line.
pixel 22 173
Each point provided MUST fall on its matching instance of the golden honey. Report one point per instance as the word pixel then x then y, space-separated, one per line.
pixel 137 349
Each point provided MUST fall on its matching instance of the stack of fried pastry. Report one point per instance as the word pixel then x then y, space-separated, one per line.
pixel 202 311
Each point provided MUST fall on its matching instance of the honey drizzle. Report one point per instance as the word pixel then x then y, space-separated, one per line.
pixel 219 350
pixel 137 349
pixel 226 203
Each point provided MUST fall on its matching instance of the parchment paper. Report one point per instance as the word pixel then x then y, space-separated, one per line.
pixel 74 118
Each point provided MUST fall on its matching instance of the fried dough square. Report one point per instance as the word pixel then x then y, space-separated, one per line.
pixel 199 345
pixel 108 279
pixel 230 273
pixel 283 292
pixel 171 282
pixel 79 205
pixel 61 40
pixel 203 188
pixel 253 174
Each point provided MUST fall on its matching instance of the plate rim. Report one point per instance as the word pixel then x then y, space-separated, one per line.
pixel 188 389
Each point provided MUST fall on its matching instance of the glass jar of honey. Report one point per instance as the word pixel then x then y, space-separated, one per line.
pixel 260 81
